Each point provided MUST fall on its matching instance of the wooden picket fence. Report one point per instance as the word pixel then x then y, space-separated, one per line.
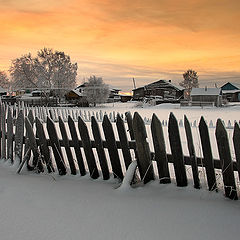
pixel 24 140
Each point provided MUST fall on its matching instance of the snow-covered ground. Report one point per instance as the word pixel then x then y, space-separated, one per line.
pixel 44 206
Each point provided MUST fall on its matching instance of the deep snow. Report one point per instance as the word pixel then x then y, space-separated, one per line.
pixel 45 206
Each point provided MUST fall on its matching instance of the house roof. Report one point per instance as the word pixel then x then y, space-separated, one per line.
pixel 206 91
pixel 80 94
pixel 165 83
pixel 236 85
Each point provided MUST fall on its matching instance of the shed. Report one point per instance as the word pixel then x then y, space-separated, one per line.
pixel 206 96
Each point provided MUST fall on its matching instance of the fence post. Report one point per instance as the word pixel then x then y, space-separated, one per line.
pixel 207 155
pixel 143 151
pixel 83 130
pixel 67 147
pixel 236 142
pixel 160 150
pixel 226 161
pixel 100 149
pixel 56 147
pixel 77 147
pixel 192 154
pixel 112 148
pixel 176 149
pixel 44 146
pixel 123 141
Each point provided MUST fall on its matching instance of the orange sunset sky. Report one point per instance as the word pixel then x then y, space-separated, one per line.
pixel 118 40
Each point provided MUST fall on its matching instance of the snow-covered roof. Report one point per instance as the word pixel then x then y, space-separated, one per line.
pixel 80 94
pixel 230 91
pixel 206 91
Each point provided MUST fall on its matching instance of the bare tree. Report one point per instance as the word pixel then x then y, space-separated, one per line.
pixel 4 81
pixel 96 90
pixel 190 81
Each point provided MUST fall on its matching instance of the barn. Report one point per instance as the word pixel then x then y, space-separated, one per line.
pixel 164 89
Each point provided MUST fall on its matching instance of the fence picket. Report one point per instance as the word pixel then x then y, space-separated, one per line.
pixel 1 112
pixel 112 148
pixel 83 130
pixel 236 143
pixel 100 149
pixel 3 131
pixel 56 147
pixel 123 141
pixel 207 155
pixel 67 147
pixel 226 161
pixel 44 146
pixel 36 163
pixel 10 135
pixel 19 135
pixel 192 154
pixel 143 151
pixel 177 153
pixel 160 150
pixel 76 146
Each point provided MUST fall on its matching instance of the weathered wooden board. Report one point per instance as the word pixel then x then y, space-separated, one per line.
pixel 19 135
pixel 143 151
pixel 226 161
pixel 160 150
pixel 192 154
pixel 177 153
pixel 10 136
pixel 77 147
pixel 207 155
pixel 44 146
pixel 123 141
pixel 56 147
pixel 100 149
pixel 112 148
pixel 67 147
pixel 3 131
pixel 236 143
pixel 83 130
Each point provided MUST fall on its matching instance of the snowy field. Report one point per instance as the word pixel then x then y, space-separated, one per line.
pixel 44 207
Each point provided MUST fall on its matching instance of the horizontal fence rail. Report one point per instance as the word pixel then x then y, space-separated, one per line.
pixel 31 136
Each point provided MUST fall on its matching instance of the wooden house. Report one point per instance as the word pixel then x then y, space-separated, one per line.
pixel 231 92
pixel 206 96
pixel 164 89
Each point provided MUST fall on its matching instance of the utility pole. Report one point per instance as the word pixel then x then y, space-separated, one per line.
pixel 134 83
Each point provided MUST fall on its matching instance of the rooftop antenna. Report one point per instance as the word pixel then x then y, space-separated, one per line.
pixel 134 83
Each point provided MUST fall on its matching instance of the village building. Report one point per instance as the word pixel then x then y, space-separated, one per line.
pixel 206 96
pixel 231 92
pixel 163 89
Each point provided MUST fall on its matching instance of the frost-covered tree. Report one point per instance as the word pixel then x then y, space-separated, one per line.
pixel 23 72
pixel 4 81
pixel 190 80
pixel 96 90
pixel 50 69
